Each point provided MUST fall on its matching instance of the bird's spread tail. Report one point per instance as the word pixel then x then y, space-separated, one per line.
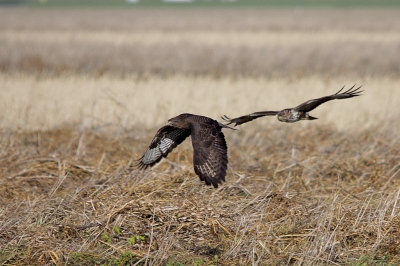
pixel 309 117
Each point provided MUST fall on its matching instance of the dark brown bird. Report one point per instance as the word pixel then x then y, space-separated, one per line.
pixel 291 115
pixel 210 152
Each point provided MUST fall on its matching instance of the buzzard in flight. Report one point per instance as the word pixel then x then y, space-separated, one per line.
pixel 291 115
pixel 210 157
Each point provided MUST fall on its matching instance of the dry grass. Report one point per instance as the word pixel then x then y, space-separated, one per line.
pixel 322 192
pixel 309 196
pixel 31 103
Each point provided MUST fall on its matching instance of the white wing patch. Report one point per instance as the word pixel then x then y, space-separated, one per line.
pixel 161 149
pixel 151 155
pixel 165 144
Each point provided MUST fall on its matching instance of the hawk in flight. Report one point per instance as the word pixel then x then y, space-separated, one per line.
pixel 210 157
pixel 291 115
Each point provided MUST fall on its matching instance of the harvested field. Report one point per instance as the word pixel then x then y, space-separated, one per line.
pixel 77 109
pixel 277 43
pixel 311 196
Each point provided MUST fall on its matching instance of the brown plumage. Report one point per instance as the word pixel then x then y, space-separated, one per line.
pixel 210 152
pixel 291 115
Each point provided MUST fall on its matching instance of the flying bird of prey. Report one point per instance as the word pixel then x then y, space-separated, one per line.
pixel 210 157
pixel 291 115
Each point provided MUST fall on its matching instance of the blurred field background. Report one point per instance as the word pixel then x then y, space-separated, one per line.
pixel 83 92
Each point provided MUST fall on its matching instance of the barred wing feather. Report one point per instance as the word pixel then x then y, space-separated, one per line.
pixel 165 140
pixel 210 157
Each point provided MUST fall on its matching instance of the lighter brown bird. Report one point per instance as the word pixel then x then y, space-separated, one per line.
pixel 301 112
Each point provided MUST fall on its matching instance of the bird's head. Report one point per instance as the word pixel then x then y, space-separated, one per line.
pixel 172 122
pixel 178 121
pixel 280 118
pixel 283 115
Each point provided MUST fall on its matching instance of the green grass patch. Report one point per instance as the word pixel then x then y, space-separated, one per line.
pixel 136 239
pixel 375 260
pixel 117 230
pixel 106 238
pixel 85 259
pixel 126 258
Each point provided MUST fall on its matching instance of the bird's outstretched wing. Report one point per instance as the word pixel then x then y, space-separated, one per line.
pixel 247 118
pixel 314 103
pixel 165 140
pixel 210 151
